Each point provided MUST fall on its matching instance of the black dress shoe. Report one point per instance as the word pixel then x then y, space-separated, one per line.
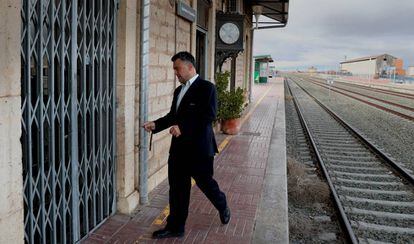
pixel 225 216
pixel 166 233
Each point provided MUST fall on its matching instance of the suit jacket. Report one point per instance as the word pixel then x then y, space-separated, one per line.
pixel 194 117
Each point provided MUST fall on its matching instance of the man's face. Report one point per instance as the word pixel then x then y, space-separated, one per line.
pixel 183 70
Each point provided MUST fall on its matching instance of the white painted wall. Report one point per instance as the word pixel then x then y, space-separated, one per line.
pixel 410 71
pixel 367 67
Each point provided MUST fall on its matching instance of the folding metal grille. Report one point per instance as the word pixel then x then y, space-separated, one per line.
pixel 68 120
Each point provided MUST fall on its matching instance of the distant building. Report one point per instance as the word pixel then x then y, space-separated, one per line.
pixel 410 71
pixel 312 70
pixel 373 66
pixel 262 68
pixel 398 63
pixel 272 71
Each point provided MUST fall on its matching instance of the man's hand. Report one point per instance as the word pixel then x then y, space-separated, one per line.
pixel 175 131
pixel 149 126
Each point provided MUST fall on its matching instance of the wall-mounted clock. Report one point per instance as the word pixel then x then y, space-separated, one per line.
pixel 229 36
pixel 229 33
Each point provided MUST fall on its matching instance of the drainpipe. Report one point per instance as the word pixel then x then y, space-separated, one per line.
pixel 252 67
pixel 143 110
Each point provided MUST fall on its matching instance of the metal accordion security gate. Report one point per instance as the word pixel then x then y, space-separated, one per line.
pixel 68 117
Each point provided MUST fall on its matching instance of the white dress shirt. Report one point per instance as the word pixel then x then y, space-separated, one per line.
pixel 184 88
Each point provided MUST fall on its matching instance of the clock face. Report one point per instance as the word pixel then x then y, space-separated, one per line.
pixel 229 33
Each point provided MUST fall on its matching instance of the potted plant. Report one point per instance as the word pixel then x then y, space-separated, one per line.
pixel 230 104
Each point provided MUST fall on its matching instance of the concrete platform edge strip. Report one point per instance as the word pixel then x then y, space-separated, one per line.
pixel 271 224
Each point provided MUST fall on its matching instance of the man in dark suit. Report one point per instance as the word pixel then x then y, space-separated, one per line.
pixel 193 145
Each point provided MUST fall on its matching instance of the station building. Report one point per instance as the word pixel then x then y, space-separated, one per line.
pixel 372 66
pixel 312 70
pixel 262 68
pixel 78 78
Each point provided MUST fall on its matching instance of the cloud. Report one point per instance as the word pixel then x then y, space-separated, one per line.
pixel 323 32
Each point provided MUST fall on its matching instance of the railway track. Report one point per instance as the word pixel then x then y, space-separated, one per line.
pixel 374 196
pixel 326 228
pixel 406 112
pixel 396 104
pixel 378 90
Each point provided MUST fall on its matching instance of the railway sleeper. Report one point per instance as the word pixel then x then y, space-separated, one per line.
pixel 383 233
pixel 356 163
pixel 351 158
pixel 356 169
pixel 362 176
pixel 376 194
pixel 376 186
pixel 349 154
pixel 366 203
pixel 409 218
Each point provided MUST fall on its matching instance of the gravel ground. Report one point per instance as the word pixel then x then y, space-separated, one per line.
pixel 391 133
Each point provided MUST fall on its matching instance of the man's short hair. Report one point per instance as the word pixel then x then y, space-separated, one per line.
pixel 184 56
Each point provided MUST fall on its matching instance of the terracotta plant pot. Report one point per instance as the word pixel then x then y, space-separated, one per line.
pixel 230 126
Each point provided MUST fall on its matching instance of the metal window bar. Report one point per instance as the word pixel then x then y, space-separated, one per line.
pixel 68 117
pixel 233 6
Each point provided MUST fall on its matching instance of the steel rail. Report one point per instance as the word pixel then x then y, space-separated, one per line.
pixel 379 90
pixel 408 117
pixel 365 95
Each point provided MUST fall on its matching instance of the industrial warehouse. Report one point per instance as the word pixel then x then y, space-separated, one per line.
pixel 374 66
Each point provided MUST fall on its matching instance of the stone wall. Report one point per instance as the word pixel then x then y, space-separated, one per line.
pixel 169 34
pixel 127 53
pixel 240 72
pixel 11 180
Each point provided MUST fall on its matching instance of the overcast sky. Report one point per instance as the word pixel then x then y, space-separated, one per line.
pixel 322 32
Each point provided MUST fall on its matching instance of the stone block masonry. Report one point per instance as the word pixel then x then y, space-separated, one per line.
pixel 11 202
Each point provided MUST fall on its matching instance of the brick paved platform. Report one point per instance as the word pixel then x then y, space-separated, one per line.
pixel 250 169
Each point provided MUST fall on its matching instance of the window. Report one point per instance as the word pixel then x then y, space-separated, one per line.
pixel 203 8
pixel 234 6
